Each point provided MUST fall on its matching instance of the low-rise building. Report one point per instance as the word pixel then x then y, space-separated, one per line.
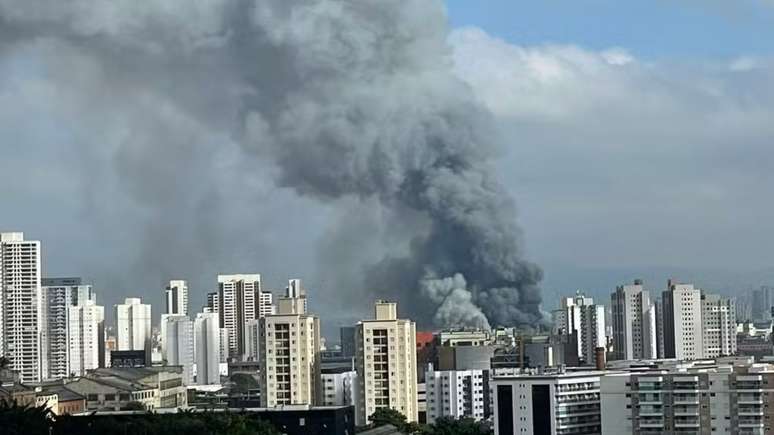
pixel 16 392
pixel 168 380
pixel 113 389
pixel 109 393
pixel 13 391
pixel 547 403
pixel 68 401
pixel 47 399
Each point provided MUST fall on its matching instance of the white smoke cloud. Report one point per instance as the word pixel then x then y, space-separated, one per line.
pixel 455 302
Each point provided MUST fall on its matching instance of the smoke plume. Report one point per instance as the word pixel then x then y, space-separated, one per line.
pixel 345 98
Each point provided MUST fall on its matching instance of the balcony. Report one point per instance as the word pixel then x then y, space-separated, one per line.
pixel 686 410
pixel 686 398
pixel 650 398
pixel 749 399
pixel 750 423
pixel 651 423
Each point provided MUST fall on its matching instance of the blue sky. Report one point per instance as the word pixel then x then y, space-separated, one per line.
pixel 647 28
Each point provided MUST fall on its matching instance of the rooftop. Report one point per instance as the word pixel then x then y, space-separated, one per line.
pixel 286 408
pixel 63 394
pixel 555 374
pixel 16 387
pixel 117 383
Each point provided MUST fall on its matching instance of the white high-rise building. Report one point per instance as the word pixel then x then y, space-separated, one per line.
pixel 548 403
pixel 56 297
pixel 177 297
pixel 682 322
pixel 86 337
pixel 762 303
pixel 236 304
pixel 718 326
pixel 386 362
pixel 20 305
pixel 207 348
pixel 290 355
pixel 72 335
pixel 634 323
pixel 265 303
pixel 725 396
pixel 180 344
pixel 579 315
pixel 456 394
pixel 339 387
pixel 252 339
pixel 133 325
pixel 224 341
pixel 176 304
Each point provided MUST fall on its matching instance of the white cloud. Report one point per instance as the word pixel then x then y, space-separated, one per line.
pixel 633 162
pixel 744 63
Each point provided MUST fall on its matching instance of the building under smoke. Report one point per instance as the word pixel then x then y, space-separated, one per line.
pixel 347 98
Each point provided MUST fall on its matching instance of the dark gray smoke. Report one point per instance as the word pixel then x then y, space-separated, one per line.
pixel 348 98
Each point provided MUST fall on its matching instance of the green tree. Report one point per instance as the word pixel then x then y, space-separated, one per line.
pixel 464 426
pixel 384 416
pixel 133 406
pixel 243 382
pixel 23 420
pixel 27 420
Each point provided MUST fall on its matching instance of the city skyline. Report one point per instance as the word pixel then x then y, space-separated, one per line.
pixel 602 184
pixel 445 216
pixel 162 297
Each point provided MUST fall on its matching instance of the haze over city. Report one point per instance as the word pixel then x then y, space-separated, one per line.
pixel 632 138
pixel 386 217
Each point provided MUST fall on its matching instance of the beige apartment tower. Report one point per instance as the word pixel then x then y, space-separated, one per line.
pixel 289 355
pixel 386 363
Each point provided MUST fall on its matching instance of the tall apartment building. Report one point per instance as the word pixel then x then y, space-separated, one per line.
pixel 265 303
pixel 732 396
pixel 252 339
pixel 213 303
pixel 56 299
pixel 683 338
pixel 634 323
pixel 659 328
pixel 207 348
pixel 762 302
pixel 386 363
pixel 72 337
pixel 579 315
pixel 86 337
pixel 176 303
pixel 296 290
pixel 347 340
pixel 180 344
pixel 20 305
pixel 547 403
pixel 224 341
pixel 457 394
pixel 133 325
pixel 290 354
pixel 339 386
pixel 177 297
pixel 718 319
pixel 236 304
